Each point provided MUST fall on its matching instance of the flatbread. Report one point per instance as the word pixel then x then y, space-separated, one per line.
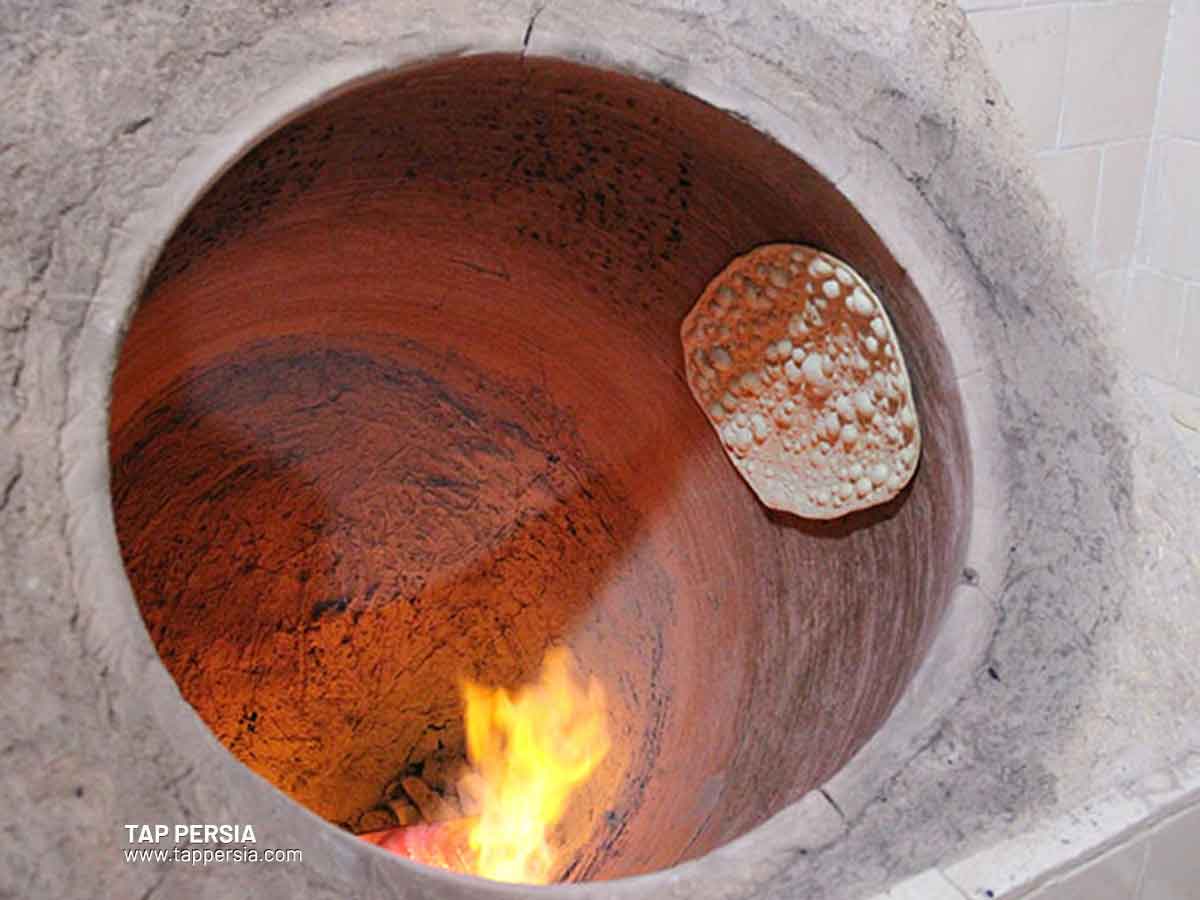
pixel 795 363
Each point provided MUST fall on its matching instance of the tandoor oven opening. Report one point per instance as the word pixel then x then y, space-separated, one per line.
pixel 402 413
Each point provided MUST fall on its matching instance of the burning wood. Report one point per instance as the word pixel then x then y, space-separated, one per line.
pixel 406 814
pixel 433 806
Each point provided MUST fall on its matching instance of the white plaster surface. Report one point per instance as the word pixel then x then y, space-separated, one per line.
pixel 1074 674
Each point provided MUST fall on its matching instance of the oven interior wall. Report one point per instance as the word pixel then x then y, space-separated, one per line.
pixel 404 403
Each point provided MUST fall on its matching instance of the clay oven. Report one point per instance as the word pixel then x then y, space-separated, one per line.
pixel 404 402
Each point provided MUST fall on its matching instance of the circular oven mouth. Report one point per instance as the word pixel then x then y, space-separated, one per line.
pixel 403 404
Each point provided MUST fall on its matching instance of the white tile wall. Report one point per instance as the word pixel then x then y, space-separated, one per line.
pixel 1171 237
pixel 1152 323
pixel 1187 375
pixel 1083 78
pixel 1114 61
pixel 929 885
pixel 1179 115
pixel 1071 178
pixel 1109 293
pixel 1173 864
pixel 1122 178
pixel 1027 49
pixel 1108 94
pixel 973 5
pixel 1114 876
pixel 1182 410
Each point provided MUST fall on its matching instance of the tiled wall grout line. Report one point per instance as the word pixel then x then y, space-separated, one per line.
pixel 1141 878
pixel 1188 308
pixel 1158 103
pixel 1093 247
pixel 1176 369
pixel 1156 147
pixel 1088 145
pixel 1062 96
pixel 1140 249
pixel 1164 274
pixel 1096 4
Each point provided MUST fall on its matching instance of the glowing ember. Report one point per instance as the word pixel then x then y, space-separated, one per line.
pixel 443 844
pixel 527 752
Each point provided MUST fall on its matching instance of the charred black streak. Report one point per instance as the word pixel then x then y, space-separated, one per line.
pixel 569 871
pixel 137 125
pixel 153 889
pixel 500 273
pixel 10 485
pixel 176 779
pixel 323 606
pixel 616 820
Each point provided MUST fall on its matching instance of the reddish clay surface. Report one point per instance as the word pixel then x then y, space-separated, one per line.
pixel 405 402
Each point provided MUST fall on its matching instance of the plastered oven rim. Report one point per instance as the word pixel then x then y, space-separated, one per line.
pixel 854 167
pixel 889 103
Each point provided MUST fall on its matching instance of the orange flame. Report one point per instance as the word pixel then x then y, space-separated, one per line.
pixel 528 752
